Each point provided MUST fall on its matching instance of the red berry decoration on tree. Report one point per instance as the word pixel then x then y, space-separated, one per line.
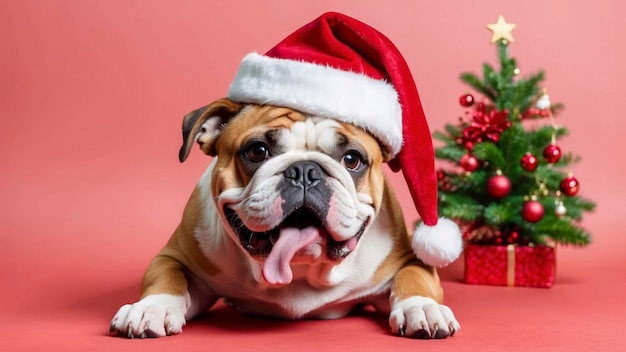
pixel 469 162
pixel 497 237
pixel 532 210
pixel 440 175
pixel 513 237
pixel 531 113
pixel 570 186
pixel 498 186
pixel 466 100
pixel 552 153
pixel 529 162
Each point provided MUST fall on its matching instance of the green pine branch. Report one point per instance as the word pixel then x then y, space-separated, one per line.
pixel 459 206
pixel 499 214
pixel 478 85
pixel 490 152
pixel 450 152
pixel 562 231
pixel 443 137
pixel 576 206
pixel 514 144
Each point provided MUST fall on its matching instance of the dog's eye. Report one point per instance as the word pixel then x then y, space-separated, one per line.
pixel 351 160
pixel 257 152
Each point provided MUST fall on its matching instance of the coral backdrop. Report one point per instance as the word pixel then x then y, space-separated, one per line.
pixel 92 94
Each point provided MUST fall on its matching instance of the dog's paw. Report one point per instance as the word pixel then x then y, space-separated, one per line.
pixel 422 318
pixel 154 316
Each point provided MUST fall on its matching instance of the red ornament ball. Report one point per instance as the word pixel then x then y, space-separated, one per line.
pixel 469 162
pixel 466 100
pixel 552 153
pixel 498 186
pixel 532 211
pixel 529 162
pixel 570 186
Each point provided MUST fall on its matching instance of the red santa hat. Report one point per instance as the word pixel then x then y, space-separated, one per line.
pixel 341 68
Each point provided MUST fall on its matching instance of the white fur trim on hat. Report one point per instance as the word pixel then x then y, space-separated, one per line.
pixel 322 90
pixel 438 245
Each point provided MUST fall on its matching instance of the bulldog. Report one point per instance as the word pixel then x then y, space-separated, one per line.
pixel 294 218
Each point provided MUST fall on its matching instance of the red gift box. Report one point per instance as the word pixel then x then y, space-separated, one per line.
pixel 512 265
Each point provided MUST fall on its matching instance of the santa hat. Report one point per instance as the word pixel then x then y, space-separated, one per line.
pixel 340 68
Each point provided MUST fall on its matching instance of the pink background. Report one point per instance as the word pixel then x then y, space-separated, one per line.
pixel 92 95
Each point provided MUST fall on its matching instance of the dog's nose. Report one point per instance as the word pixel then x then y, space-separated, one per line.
pixel 304 174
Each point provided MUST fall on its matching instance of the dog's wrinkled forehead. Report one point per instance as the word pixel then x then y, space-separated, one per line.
pixel 286 130
pixel 314 133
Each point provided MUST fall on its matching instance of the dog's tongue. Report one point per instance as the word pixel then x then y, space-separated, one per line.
pixel 276 269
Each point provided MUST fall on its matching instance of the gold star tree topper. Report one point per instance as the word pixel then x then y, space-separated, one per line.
pixel 501 30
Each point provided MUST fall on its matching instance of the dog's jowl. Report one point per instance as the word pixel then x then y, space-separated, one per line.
pixel 294 217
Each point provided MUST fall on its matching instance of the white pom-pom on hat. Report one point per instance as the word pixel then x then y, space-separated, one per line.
pixel 438 245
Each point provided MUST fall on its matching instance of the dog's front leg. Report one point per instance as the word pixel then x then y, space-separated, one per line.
pixel 416 311
pixel 167 300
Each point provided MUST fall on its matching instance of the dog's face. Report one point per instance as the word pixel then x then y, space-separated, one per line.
pixel 291 189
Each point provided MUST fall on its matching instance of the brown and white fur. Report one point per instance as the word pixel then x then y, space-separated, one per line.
pixel 294 218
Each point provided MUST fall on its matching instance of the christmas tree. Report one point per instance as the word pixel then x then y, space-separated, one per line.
pixel 507 180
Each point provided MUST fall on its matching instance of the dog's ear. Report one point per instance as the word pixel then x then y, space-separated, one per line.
pixel 204 124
